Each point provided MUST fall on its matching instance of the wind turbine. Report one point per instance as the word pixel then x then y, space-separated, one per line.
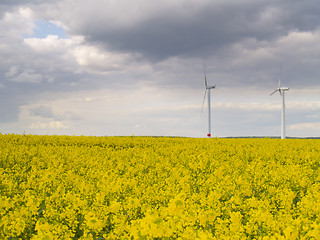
pixel 208 88
pixel 282 90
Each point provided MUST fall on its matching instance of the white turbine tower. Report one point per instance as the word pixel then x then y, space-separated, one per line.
pixel 208 88
pixel 282 90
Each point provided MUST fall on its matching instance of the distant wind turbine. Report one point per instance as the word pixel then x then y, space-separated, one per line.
pixel 282 90
pixel 208 88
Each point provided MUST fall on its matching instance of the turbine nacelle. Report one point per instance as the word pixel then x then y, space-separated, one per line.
pixel 210 87
pixel 283 89
pixel 280 90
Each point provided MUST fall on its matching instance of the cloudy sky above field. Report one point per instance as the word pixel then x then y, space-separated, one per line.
pixel 120 67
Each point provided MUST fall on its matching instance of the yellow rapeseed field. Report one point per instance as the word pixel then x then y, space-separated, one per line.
pixel 60 187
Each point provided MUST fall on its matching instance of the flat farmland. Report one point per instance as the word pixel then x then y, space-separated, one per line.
pixel 69 187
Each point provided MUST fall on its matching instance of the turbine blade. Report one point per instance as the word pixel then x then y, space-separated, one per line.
pixel 205 75
pixel 280 76
pixel 204 98
pixel 274 92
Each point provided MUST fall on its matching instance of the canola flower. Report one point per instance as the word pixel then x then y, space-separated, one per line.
pixel 60 187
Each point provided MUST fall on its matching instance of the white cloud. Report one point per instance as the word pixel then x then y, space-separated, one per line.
pixel 52 43
pixel 26 13
pixel 301 41
pixel 248 106
pixel 97 60
pixel 16 24
pixel 89 58
pixel 306 126
pixel 303 106
pixel 48 125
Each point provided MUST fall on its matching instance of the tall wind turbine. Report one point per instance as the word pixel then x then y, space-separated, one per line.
pixel 282 90
pixel 208 88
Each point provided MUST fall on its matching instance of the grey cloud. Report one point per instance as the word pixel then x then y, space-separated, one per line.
pixel 167 34
pixel 42 111
pixel 47 112
pixel 9 110
pixel 202 31
pixel 10 5
pixel 28 76
pixel 11 98
pixel 301 15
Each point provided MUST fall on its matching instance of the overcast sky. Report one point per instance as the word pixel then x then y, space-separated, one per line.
pixel 121 67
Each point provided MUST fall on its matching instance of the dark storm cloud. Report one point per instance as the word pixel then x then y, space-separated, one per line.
pixel 207 30
pixel 169 34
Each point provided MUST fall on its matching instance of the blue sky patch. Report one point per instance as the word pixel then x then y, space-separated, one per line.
pixel 44 28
